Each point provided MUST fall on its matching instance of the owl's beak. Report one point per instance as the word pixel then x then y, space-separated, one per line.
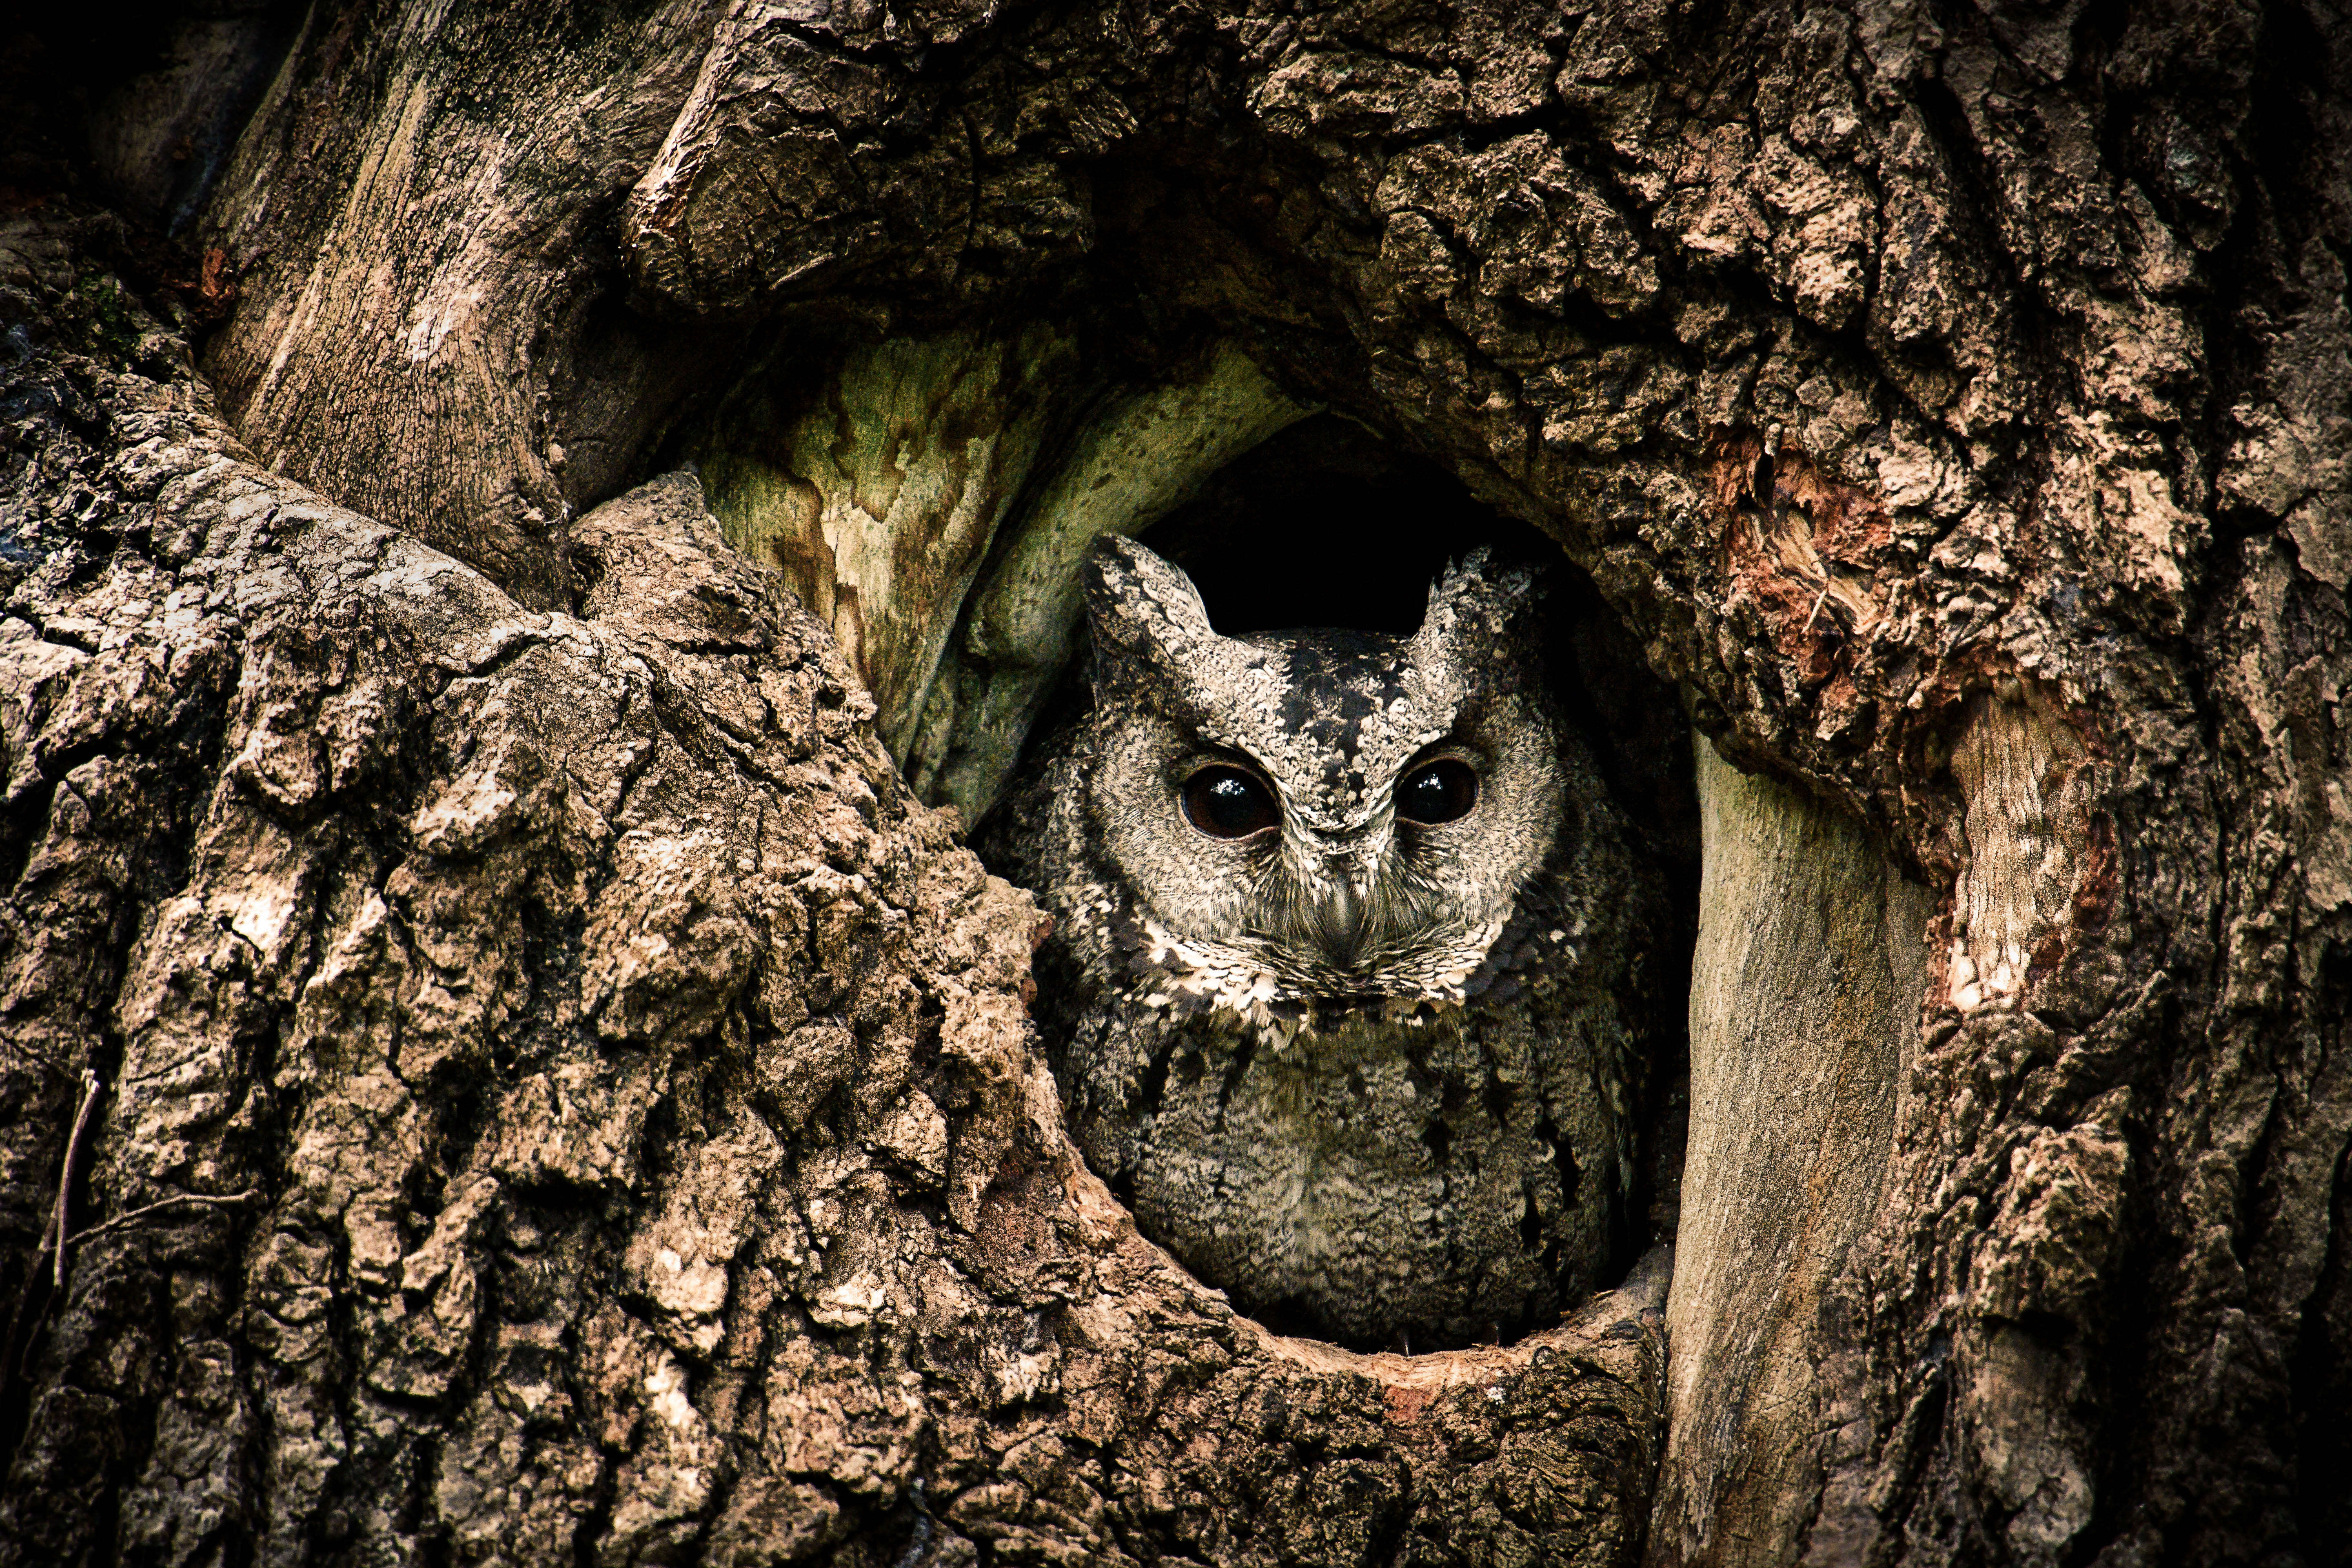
pixel 1342 902
pixel 1339 922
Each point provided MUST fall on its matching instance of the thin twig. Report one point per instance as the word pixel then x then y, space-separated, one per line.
pixel 205 1199
pixel 90 1086
pixel 1818 600
pixel 919 1540
pixel 48 1240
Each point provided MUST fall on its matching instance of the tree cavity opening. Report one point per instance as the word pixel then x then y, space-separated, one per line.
pixel 1327 525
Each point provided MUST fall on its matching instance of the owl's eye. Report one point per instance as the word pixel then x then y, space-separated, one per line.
pixel 1443 791
pixel 1226 803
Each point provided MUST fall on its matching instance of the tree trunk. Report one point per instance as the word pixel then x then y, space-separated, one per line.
pixel 506 1061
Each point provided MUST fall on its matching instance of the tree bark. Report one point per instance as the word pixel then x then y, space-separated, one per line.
pixel 558 1088
pixel 501 1066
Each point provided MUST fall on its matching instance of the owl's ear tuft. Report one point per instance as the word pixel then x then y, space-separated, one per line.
pixel 1478 609
pixel 1138 604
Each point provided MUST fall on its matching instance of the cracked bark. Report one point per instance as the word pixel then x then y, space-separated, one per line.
pixel 416 820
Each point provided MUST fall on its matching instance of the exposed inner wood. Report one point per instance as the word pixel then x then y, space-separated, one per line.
pixel 932 501
pixel 2022 771
pixel 878 493
pixel 1805 994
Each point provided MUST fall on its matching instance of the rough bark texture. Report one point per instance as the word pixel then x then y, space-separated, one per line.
pixel 455 261
pixel 1954 400
pixel 558 1096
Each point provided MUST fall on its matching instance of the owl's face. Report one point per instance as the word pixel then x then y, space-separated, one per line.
pixel 1320 814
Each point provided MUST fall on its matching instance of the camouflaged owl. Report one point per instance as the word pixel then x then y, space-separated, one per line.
pixel 1347 992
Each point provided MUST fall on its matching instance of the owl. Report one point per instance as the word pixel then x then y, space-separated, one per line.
pixel 1347 992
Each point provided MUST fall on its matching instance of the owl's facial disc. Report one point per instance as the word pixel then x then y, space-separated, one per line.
pixel 1380 869
pixel 1325 815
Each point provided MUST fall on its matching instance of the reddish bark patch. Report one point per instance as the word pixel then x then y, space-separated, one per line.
pixel 1804 549
pixel 2094 896
pixel 1405 1404
pixel 1012 1220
